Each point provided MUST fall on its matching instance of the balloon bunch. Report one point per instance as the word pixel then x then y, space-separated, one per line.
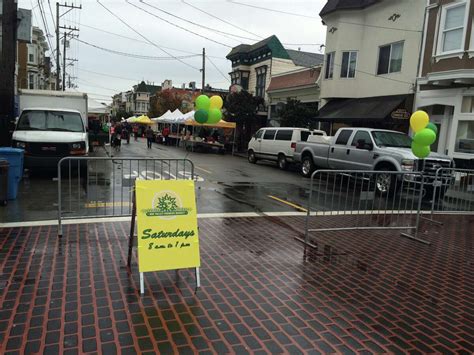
pixel 208 110
pixel 425 134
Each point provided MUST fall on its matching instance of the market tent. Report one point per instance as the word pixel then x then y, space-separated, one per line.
pixel 174 116
pixel 131 119
pixel 220 124
pixel 143 119
pixel 163 117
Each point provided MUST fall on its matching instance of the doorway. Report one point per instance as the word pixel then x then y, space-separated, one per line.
pixel 441 116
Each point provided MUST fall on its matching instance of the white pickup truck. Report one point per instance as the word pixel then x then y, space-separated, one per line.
pixel 367 149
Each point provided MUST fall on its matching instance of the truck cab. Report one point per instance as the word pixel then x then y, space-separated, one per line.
pixel 49 134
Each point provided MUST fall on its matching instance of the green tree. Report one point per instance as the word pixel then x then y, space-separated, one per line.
pixel 241 108
pixel 296 114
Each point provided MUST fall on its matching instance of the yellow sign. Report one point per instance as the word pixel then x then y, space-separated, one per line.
pixel 167 225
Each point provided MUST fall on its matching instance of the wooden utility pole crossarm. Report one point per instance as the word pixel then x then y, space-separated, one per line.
pixel 58 51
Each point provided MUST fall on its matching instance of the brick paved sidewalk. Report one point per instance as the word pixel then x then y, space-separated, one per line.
pixel 360 291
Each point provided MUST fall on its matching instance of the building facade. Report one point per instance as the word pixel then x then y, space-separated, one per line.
pixel 34 67
pixel 301 85
pixel 371 62
pixel 253 66
pixel 446 77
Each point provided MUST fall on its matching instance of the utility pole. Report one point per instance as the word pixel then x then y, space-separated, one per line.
pixel 8 21
pixel 203 70
pixel 71 29
pixel 58 67
pixel 64 61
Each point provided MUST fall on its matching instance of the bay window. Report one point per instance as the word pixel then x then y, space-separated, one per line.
pixel 261 80
pixel 349 62
pixel 329 73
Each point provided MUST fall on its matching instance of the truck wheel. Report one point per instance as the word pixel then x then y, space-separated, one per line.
pixel 384 182
pixel 307 166
pixel 252 158
pixel 282 163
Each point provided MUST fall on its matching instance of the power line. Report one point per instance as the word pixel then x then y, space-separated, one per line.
pixel 379 27
pixel 132 55
pixel 178 26
pixel 108 75
pixel 197 24
pixel 45 23
pixel 356 70
pixel 242 29
pixel 88 83
pixel 51 13
pixel 222 20
pixel 145 38
pixel 272 10
pixel 215 66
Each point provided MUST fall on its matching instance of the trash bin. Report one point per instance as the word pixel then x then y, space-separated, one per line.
pixel 3 181
pixel 14 156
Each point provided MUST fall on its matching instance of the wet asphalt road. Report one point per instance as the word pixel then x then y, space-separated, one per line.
pixel 224 184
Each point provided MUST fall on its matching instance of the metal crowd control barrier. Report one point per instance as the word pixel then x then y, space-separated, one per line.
pixel 90 187
pixel 347 200
pixel 453 193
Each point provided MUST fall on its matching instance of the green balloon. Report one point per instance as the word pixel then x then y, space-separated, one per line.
pixel 425 137
pixel 433 127
pixel 201 116
pixel 420 151
pixel 215 115
pixel 203 102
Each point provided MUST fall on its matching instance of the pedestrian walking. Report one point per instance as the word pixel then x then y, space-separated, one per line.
pixel 135 132
pixel 149 137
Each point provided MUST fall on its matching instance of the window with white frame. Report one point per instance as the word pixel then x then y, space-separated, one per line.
pixel 467 104
pixel 452 28
pixel 329 73
pixel 349 62
pixel 261 81
pixel 31 81
pixel 465 137
pixel 390 58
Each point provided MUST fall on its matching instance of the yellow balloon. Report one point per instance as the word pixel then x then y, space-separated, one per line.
pixel 419 120
pixel 216 102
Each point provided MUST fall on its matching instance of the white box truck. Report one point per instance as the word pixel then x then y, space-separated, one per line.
pixel 51 125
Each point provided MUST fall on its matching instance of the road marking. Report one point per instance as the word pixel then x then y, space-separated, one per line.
pixel 206 171
pixel 299 208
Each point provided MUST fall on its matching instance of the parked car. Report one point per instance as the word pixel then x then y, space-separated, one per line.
pixel 278 144
pixel 369 149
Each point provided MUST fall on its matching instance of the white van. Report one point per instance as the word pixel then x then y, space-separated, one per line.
pixel 277 144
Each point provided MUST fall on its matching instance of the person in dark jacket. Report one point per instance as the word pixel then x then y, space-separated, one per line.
pixel 149 137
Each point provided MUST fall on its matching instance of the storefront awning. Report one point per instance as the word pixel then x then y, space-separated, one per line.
pixel 368 109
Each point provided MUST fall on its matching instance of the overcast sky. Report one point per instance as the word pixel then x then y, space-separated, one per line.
pixel 177 42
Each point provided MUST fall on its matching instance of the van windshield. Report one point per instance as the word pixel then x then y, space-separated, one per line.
pixel 391 139
pixel 39 120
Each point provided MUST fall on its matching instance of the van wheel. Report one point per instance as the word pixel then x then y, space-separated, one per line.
pixel 282 163
pixel 252 158
pixel 307 166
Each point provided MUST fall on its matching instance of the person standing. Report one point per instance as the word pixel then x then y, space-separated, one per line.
pixel 149 137
pixel 166 133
